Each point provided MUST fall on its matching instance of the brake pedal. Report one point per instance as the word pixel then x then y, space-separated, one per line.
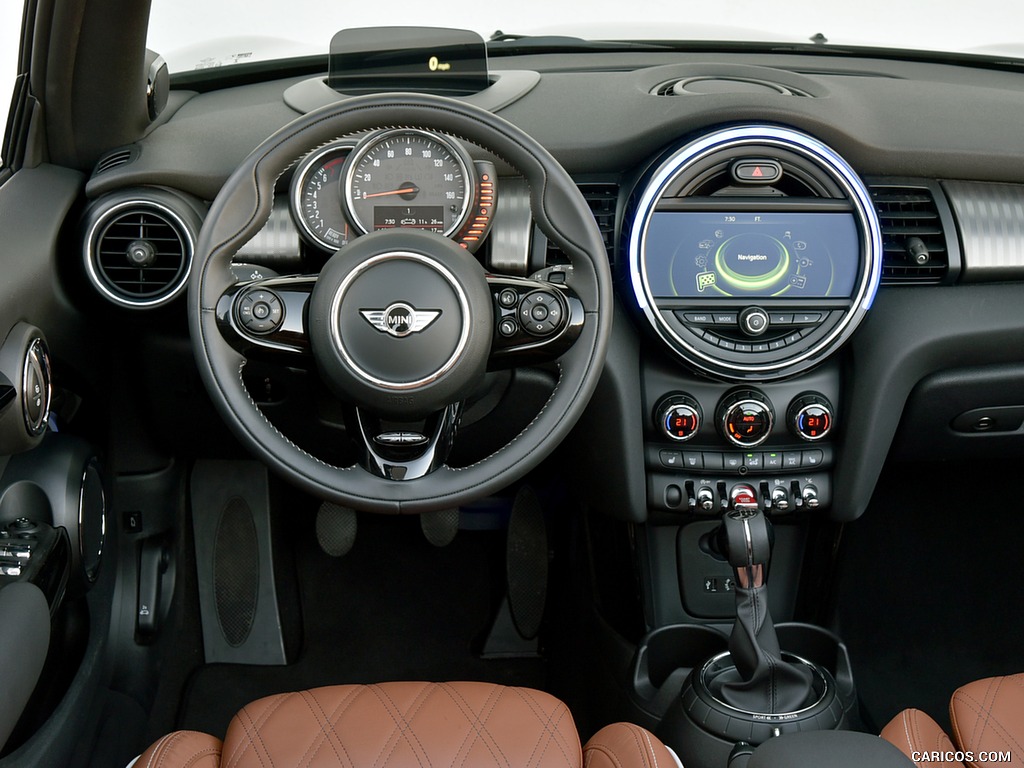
pixel 336 529
pixel 440 527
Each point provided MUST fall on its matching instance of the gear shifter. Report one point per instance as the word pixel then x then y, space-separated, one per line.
pixel 762 681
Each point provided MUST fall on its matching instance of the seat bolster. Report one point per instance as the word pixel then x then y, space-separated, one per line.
pixel 624 745
pixel 182 749
pixel 919 737
pixel 988 716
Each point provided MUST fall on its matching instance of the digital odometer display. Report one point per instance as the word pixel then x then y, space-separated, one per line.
pixel 414 216
pixel 691 254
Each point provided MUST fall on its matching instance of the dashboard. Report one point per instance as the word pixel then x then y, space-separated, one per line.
pixel 770 220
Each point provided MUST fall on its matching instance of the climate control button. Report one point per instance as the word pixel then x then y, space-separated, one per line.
pixel 745 418
pixel 679 417
pixel 810 417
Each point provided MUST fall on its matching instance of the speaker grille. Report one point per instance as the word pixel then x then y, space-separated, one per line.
pixel 236 571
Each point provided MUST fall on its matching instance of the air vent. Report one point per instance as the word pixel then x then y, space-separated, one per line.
pixel 700 86
pixel 139 253
pixel 913 241
pixel 603 200
pixel 115 159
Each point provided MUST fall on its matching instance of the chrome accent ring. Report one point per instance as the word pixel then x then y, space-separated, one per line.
pixel 769 413
pixel 91 574
pixel 769 716
pixel 347 283
pixel 824 434
pixel 37 354
pixel 760 135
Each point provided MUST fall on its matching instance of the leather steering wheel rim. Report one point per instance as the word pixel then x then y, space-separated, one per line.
pixel 244 204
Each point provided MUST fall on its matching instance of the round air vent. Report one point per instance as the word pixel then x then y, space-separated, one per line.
pixel 139 249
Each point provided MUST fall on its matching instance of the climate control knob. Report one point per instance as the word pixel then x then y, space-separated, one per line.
pixel 678 417
pixel 810 417
pixel 745 418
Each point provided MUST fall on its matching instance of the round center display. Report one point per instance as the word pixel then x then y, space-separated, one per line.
pixel 400 321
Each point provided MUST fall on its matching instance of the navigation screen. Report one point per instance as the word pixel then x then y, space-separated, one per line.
pixel 693 254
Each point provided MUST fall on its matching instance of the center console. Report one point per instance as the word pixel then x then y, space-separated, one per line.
pixel 753 254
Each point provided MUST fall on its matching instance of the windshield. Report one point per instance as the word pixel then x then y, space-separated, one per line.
pixel 198 34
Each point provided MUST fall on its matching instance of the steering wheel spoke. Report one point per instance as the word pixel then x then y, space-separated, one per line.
pixel 536 319
pixel 406 451
pixel 267 314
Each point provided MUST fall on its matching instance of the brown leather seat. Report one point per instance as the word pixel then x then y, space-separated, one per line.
pixel 988 722
pixel 394 725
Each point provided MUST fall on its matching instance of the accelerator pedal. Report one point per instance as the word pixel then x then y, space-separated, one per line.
pixel 517 625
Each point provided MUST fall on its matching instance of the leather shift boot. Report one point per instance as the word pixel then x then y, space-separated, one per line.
pixel 764 682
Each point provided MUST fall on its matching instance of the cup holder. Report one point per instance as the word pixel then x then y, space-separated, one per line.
pixel 665 659
pixel 669 658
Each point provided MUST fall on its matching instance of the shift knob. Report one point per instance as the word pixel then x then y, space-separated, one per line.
pixel 748 538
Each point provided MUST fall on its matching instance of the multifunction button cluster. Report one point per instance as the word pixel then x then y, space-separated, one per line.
pixel 260 311
pixel 752 329
pixel 529 313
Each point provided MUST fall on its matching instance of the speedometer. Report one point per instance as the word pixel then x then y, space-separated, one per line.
pixel 316 196
pixel 408 178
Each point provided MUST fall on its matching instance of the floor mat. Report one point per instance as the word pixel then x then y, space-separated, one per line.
pixel 394 608
pixel 931 590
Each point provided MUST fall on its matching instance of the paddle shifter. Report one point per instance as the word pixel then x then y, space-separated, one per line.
pixel 762 680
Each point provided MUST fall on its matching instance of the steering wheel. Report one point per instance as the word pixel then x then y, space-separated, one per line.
pixel 401 324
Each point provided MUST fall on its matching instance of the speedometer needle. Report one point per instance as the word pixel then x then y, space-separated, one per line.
pixel 410 190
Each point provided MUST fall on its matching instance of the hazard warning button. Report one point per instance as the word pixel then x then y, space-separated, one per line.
pixel 756 171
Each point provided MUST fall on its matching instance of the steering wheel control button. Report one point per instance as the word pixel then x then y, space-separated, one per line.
pixel 745 418
pixel 679 417
pixel 508 328
pixel 540 313
pixel 756 171
pixel 810 417
pixel 754 321
pixel 260 311
pixel 508 298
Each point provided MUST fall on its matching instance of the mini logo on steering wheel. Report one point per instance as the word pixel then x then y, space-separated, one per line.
pixel 400 319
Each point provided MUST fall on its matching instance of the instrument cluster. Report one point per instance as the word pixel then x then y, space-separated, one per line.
pixel 395 178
